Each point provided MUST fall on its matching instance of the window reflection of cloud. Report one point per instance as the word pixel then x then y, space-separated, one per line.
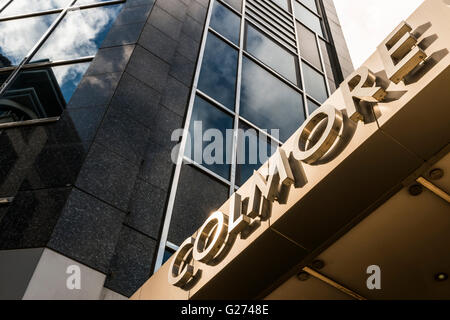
pixel 68 77
pixel 17 37
pixel 27 6
pixel 269 103
pixel 271 54
pixel 226 23
pixel 218 75
pixel 77 34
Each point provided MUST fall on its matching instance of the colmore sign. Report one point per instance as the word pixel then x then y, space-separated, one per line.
pixel 317 136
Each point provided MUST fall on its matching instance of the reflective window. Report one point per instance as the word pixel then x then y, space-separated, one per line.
pixel 18 37
pixel 308 46
pixel 308 18
pixel 219 71
pixel 271 54
pixel 282 3
pixel 198 195
pixel 209 147
pixel 268 102
pixel 314 83
pixel 225 22
pixel 312 106
pixel 311 4
pixel 69 76
pixel 253 150
pixel 236 4
pixel 167 254
pixel 41 93
pixel 326 53
pixel 80 2
pixel 30 6
pixel 80 34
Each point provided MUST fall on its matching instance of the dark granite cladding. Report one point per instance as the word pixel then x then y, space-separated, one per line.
pixel 146 208
pixel 87 230
pixel 198 196
pixel 29 221
pixel 131 264
pixel 93 186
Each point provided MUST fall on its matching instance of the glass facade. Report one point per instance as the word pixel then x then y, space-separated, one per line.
pixel 263 68
pixel 45 49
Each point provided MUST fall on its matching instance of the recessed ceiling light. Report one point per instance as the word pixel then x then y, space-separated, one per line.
pixel 441 276
pixel 303 276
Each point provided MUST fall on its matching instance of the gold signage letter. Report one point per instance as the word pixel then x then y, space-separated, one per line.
pixel 180 272
pixel 400 54
pixel 358 87
pixel 205 248
pixel 335 121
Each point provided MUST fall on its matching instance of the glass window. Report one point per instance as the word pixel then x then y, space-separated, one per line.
pixel 80 2
pixel 236 4
pixel 326 53
pixel 311 4
pixel 198 195
pixel 167 254
pixel 268 102
pixel 26 6
pixel 312 106
pixel 41 93
pixel 79 34
pixel 308 46
pixel 219 71
pixel 314 83
pixel 209 147
pixel 69 76
pixel 308 18
pixel 18 37
pixel 282 3
pixel 226 22
pixel 253 150
pixel 271 54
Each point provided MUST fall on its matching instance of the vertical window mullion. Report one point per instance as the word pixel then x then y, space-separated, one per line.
pixel 302 79
pixel 322 62
pixel 238 100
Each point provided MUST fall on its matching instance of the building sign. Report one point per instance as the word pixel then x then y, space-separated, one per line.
pixel 284 172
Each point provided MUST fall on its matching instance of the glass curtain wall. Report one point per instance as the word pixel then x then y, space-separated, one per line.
pixel 46 47
pixel 264 67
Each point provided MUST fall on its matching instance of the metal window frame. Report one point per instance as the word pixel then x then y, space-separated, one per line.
pixel 25 63
pixel 181 158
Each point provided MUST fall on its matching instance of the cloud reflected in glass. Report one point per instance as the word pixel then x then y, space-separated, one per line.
pixel 17 37
pixel 30 6
pixel 79 34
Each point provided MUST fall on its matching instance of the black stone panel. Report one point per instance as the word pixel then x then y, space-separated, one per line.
pixel 87 231
pixel 157 166
pixel 139 101
pixel 146 208
pixel 176 96
pixel 148 68
pixel 165 122
pixel 163 21
pixel 123 135
pixel 198 195
pixel 95 90
pixel 131 264
pixel 29 221
pixel 54 166
pixel 158 43
pixel 182 69
pixel 110 60
pixel 108 176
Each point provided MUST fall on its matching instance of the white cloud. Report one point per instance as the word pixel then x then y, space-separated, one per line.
pixel 366 23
